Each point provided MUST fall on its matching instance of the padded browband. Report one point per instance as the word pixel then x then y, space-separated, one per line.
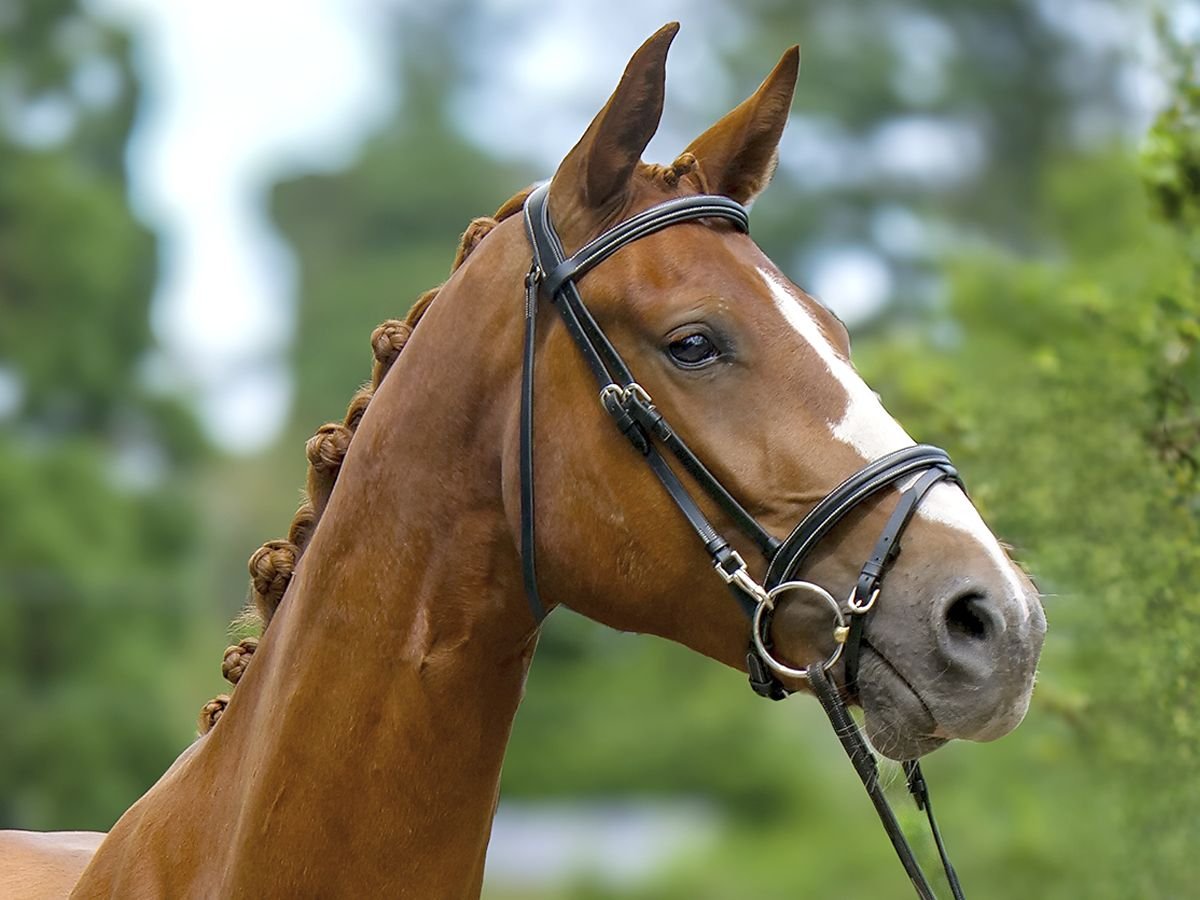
pixel 656 218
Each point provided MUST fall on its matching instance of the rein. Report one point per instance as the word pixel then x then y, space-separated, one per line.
pixel 553 275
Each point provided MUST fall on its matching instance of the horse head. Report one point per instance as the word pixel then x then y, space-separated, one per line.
pixel 755 375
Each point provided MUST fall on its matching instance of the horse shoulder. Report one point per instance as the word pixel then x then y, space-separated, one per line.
pixel 43 865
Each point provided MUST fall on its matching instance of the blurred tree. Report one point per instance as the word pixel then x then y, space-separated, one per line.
pixel 97 532
pixel 368 241
pixel 372 239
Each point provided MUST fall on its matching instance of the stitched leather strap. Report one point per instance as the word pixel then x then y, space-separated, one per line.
pixel 860 486
pixel 865 766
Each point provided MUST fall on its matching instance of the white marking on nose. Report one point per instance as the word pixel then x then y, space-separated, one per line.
pixel 865 425
pixel 869 428
pixel 946 503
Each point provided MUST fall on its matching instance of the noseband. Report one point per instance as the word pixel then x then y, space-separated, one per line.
pixel 553 275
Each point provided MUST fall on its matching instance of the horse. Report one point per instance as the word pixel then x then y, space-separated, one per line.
pixel 360 753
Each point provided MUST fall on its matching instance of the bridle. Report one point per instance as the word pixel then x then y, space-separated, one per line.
pixel 553 274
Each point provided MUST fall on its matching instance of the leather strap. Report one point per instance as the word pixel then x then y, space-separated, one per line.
pixel 920 791
pixel 860 486
pixel 656 424
pixel 887 548
pixel 656 218
pixel 528 532
pixel 865 766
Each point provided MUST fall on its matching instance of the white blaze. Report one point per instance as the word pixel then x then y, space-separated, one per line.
pixel 869 428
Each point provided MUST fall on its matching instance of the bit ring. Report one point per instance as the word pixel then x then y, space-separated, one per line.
pixel 768 603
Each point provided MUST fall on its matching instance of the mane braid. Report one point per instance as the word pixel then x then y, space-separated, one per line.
pixel 684 164
pixel 272 565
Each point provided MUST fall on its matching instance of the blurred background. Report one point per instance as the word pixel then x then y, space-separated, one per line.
pixel 206 207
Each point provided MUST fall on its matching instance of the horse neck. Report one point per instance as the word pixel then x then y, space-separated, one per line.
pixel 390 690
pixel 376 712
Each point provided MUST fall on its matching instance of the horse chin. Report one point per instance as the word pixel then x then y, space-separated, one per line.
pixel 898 723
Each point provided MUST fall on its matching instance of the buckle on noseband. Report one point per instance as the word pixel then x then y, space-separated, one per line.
pixel 762 621
pixel 861 609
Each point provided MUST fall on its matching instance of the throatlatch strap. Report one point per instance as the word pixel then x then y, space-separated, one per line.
pixel 528 533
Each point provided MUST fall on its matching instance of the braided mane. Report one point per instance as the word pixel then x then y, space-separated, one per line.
pixel 271 566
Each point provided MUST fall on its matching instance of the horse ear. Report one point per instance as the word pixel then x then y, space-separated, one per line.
pixel 596 173
pixel 737 156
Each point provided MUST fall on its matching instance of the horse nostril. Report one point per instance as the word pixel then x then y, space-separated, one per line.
pixel 967 617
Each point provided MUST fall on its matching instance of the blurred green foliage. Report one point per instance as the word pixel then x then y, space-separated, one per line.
pixel 97 529
pixel 1050 345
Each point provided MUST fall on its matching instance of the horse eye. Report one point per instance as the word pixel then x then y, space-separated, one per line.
pixel 693 350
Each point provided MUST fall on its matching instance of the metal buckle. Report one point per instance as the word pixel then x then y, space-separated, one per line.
pixel 635 391
pixel 861 609
pixel 741 578
pixel 840 632
pixel 611 390
pixel 625 395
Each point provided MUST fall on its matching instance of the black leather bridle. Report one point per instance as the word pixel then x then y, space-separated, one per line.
pixel 553 274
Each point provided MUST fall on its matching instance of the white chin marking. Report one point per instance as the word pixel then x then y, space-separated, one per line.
pixel 869 429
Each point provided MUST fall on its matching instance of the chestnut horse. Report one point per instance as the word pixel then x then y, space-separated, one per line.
pixel 360 754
